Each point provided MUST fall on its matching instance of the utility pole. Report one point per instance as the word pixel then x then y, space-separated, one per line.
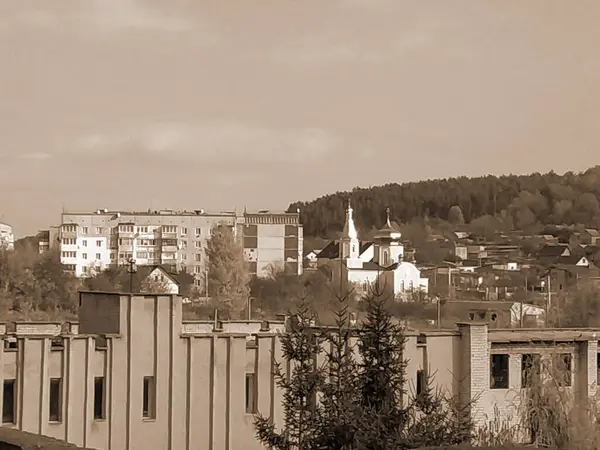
pixel 548 299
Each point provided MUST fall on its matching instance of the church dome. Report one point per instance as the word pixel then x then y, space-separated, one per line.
pixel 388 232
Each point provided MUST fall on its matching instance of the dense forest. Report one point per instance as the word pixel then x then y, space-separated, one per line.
pixel 519 200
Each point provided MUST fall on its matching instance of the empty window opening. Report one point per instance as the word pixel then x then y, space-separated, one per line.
pixel 10 345
pixel 251 393
pixel 562 365
pixel 149 398
pixel 8 402
pixel 531 366
pixel 499 372
pixel 99 399
pixel 55 414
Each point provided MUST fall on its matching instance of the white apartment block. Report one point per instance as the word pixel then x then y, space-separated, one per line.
pixel 90 242
pixel 7 238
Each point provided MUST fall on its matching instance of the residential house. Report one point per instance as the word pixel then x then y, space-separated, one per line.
pixel 550 253
pixel 311 259
pixel 590 236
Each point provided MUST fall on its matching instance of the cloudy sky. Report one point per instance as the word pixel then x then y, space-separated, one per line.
pixel 219 104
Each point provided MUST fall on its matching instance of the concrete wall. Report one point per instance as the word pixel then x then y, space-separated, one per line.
pixel 200 370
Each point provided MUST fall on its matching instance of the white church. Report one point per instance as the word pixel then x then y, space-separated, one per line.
pixel 366 262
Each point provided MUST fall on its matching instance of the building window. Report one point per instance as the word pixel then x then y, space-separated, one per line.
pixel 8 402
pixel 251 393
pixel 149 398
pixel 142 229
pixel 98 256
pixel 99 399
pixel 531 366
pixel 84 230
pixel 84 269
pixel 198 231
pixel 562 364
pixel 98 243
pixel 98 230
pixel 69 241
pixel 55 414
pixel 69 228
pixel 141 255
pixel 126 228
pixel 197 269
pixel 198 244
pixel 112 256
pixel 84 255
pixel 499 372
pixel 421 382
pixel 10 345
pixel 183 231
pixel 386 258
pixel 169 229
pixel 84 243
pixel 198 257
pixel 125 241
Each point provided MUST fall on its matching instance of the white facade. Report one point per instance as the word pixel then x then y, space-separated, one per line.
pixel 158 275
pixel 7 238
pixel 85 255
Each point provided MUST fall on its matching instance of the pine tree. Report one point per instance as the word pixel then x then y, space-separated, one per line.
pixel 381 376
pixel 300 431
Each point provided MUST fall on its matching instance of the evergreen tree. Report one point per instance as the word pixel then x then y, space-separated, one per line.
pixel 301 411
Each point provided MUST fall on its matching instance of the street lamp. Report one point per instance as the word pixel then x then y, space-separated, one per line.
pixel 132 268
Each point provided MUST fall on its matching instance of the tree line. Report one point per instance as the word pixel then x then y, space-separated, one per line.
pixel 517 201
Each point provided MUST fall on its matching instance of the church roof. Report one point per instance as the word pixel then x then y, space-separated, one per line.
pixel 332 250
pixel 389 231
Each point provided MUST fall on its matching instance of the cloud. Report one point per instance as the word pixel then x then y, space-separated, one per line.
pixel 215 141
pixel 97 15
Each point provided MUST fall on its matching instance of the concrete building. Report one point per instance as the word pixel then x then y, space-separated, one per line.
pixel 7 238
pixel 91 242
pixel 132 375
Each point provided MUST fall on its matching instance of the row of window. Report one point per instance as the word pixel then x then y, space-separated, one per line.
pixel 84 243
pixel 72 228
pixel 83 255
pixel 561 365
pixel 56 400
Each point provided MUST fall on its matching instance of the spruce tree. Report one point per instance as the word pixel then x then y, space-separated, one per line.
pixel 299 384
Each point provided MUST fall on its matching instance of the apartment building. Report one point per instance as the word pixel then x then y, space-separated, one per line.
pixel 131 375
pixel 273 241
pixel 91 242
pixel 7 238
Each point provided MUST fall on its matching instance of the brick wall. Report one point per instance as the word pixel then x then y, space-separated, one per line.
pixel 11 439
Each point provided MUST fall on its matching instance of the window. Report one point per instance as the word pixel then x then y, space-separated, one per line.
pixel 69 228
pixel 198 231
pixel 84 243
pixel 98 256
pixel 112 256
pixel 69 241
pixel 499 372
pixel 198 257
pixel 251 393
pixel 99 399
pixel 141 255
pixel 99 230
pixel 125 241
pixel 386 258
pixel 183 256
pixel 183 231
pixel 8 402
pixel 149 397
pixel 98 243
pixel 169 229
pixel 84 269
pixel 126 228
pixel 84 255
pixel 531 366
pixel 562 365
pixel 198 244
pixel 197 269
pixel 10 345
pixel 421 382
pixel 142 229
pixel 84 230
pixel 55 414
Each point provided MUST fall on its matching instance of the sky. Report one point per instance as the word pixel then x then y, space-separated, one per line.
pixel 137 104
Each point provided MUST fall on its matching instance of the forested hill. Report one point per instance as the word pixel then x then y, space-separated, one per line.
pixel 522 200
